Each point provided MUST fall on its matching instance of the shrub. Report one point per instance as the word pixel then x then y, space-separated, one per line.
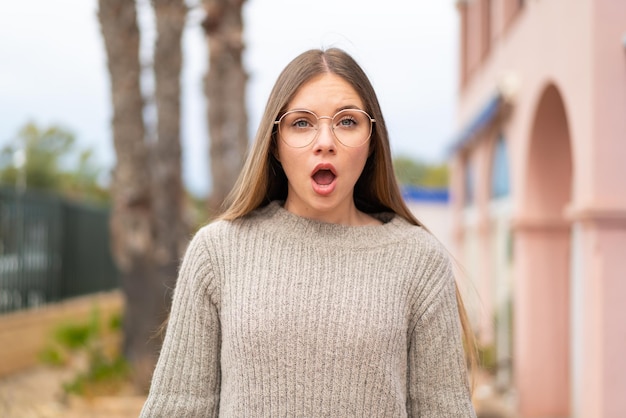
pixel 106 371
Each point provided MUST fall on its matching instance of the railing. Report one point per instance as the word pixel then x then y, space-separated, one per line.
pixel 51 249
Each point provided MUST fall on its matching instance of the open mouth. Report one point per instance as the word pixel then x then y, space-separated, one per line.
pixel 323 177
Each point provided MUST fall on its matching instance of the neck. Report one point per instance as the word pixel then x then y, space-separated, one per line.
pixel 348 215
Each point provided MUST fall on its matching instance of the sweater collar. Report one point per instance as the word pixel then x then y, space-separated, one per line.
pixel 283 222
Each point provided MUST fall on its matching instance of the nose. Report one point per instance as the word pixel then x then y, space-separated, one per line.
pixel 325 138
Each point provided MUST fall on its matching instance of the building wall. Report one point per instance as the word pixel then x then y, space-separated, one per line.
pixel 558 68
pixel 436 217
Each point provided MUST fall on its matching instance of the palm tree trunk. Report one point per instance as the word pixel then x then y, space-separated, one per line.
pixel 225 86
pixel 132 228
pixel 171 231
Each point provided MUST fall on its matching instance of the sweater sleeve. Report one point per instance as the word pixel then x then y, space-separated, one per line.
pixel 186 381
pixel 437 375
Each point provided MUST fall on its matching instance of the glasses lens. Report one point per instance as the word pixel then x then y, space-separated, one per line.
pixel 298 128
pixel 352 127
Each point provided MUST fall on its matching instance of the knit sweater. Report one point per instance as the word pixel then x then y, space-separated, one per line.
pixel 275 315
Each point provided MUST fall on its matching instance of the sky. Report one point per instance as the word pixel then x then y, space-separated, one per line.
pixel 53 68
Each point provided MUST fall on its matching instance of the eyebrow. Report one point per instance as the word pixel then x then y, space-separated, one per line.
pixel 339 109
pixel 347 107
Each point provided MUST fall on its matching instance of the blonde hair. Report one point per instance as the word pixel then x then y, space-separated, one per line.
pixel 262 179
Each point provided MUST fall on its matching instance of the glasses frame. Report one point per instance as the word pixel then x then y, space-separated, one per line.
pixel 332 129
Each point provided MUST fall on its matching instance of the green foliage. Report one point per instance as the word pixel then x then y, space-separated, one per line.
pixel 74 336
pixel 411 172
pixel 104 375
pixel 105 371
pixel 115 322
pixel 51 161
pixel 53 356
pixel 43 149
pixel 487 358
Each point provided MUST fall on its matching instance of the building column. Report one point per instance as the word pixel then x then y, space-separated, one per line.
pixel 603 369
pixel 541 318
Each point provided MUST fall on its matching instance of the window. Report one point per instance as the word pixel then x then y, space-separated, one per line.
pixel 500 170
pixel 468 183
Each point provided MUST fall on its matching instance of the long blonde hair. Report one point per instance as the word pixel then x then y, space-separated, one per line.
pixel 262 179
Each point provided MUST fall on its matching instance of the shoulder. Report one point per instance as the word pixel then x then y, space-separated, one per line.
pixel 211 242
pixel 431 264
pixel 420 254
pixel 420 241
pixel 221 228
pixel 214 230
pixel 219 237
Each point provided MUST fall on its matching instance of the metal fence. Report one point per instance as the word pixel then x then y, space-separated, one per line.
pixel 51 249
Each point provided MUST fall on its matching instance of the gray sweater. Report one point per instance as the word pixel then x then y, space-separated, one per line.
pixel 275 315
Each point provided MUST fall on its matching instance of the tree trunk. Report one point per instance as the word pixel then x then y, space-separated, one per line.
pixel 171 231
pixel 225 86
pixel 132 226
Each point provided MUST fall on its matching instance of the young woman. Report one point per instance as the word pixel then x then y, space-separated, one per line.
pixel 317 293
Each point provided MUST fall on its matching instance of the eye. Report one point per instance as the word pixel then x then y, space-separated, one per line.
pixel 299 120
pixel 301 123
pixel 346 121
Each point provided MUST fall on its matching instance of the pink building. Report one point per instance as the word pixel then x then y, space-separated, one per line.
pixel 539 197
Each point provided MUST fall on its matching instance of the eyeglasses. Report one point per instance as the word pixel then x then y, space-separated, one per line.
pixel 351 127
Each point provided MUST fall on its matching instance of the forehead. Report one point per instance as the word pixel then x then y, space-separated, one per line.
pixel 326 93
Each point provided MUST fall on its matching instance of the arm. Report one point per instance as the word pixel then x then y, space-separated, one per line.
pixel 186 381
pixel 437 378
